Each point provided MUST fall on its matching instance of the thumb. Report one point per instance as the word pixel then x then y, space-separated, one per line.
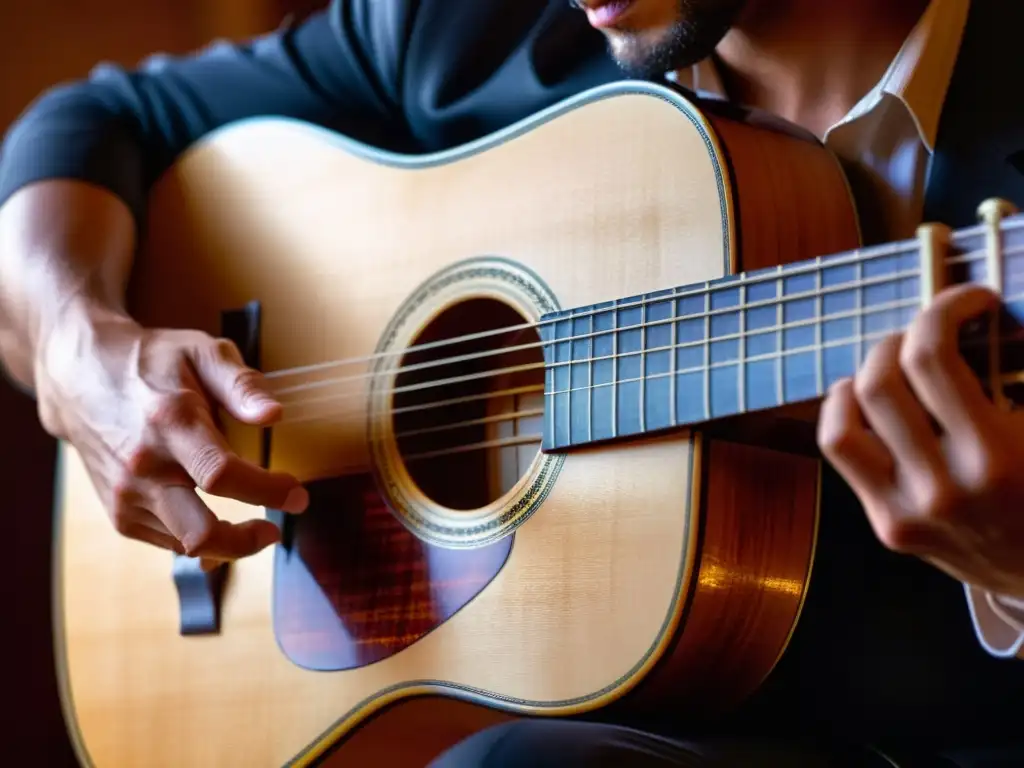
pixel 240 389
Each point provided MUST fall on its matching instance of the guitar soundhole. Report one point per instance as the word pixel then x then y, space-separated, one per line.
pixel 468 403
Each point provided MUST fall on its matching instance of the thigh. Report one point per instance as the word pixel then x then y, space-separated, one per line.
pixel 562 743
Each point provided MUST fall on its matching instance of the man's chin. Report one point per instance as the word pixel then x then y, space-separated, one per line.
pixel 644 57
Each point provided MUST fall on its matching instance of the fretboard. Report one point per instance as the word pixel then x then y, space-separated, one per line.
pixel 748 342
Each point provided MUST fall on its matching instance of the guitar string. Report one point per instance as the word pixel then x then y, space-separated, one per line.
pixel 854 257
pixel 772 303
pixel 511 369
pixel 1011 337
pixel 534 438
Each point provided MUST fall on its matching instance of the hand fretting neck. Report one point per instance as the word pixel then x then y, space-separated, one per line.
pixel 752 341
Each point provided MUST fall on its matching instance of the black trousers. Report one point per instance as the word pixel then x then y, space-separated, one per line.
pixel 569 744
pixel 884 660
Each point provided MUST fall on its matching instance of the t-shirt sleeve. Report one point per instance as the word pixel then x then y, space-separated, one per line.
pixel 121 128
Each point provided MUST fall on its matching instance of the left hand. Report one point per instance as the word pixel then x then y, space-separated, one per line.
pixel 938 467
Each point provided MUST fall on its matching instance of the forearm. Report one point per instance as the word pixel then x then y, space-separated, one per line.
pixel 61 242
pixel 77 167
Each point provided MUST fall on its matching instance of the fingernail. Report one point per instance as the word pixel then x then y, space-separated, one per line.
pixel 257 401
pixel 297 500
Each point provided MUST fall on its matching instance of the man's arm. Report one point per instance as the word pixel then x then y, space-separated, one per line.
pixel 76 168
pixel 75 173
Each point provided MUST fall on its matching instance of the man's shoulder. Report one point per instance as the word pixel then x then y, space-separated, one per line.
pixel 465 68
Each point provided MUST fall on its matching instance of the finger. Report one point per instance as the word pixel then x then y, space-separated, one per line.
pixel 909 534
pixel 135 522
pixel 845 440
pixel 934 366
pixel 148 535
pixel 894 414
pixel 154 523
pixel 240 389
pixel 203 452
pixel 203 535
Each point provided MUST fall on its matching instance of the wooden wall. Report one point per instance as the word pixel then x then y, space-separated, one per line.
pixel 43 42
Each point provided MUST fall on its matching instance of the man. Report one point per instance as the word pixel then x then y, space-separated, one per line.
pixel 868 78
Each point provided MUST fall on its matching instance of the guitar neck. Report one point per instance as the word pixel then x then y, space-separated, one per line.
pixel 765 339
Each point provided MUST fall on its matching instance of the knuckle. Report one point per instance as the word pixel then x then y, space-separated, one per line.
pixel 896 535
pixel 50 420
pixel 247 380
pixel 926 350
pixel 123 494
pixel 834 437
pixel 873 382
pixel 935 501
pixel 139 462
pixel 832 428
pixel 208 465
pixel 196 542
pixel 878 373
pixel 225 349
pixel 124 500
pixel 175 409
pixel 986 473
pixel 121 518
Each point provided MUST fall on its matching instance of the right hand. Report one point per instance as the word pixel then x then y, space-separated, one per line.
pixel 139 406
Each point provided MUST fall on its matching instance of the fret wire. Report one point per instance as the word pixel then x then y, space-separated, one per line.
pixel 568 398
pixel 858 319
pixel 707 351
pixel 590 382
pixel 756 359
pixel 674 340
pixel 850 285
pixel 884 307
pixel 741 368
pixel 857 284
pixel 872 282
pixel 818 333
pixel 857 313
pixel 844 258
pixel 551 399
pixel 531 366
pixel 778 328
pixel 782 353
pixel 615 369
pixel 780 389
pixel 1007 378
pixel 643 365
pixel 959 237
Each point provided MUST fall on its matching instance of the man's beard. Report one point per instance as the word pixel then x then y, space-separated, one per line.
pixel 699 28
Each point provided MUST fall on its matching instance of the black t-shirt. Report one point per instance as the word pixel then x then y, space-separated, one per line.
pixel 405 75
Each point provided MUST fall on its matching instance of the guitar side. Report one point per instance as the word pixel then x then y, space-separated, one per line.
pixel 658 569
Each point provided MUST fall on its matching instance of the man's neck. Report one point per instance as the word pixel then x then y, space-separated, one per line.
pixel 811 61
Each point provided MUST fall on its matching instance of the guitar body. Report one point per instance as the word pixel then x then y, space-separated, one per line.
pixel 663 571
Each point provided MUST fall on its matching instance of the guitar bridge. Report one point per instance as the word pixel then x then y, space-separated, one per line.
pixel 199 591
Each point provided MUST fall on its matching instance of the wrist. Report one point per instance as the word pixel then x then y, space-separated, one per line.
pixel 68 331
pixel 76 309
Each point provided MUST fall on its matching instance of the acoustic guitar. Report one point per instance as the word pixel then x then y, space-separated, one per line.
pixel 553 396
